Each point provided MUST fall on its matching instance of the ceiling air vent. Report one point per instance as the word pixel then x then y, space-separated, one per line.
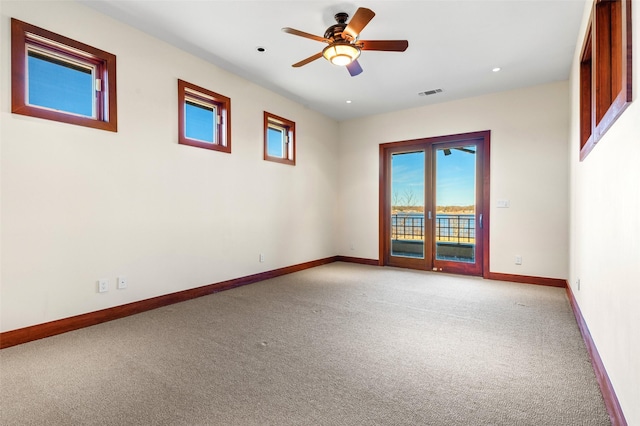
pixel 430 92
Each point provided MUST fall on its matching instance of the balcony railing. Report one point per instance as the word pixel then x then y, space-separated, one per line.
pixel 453 228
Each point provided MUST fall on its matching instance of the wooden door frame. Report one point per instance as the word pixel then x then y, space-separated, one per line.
pixel 484 209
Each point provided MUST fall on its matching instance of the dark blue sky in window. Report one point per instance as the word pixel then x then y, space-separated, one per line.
pixel 56 86
pixel 199 122
pixel 275 143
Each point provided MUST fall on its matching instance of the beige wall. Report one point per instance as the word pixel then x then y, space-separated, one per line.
pixel 80 204
pixel 605 237
pixel 529 130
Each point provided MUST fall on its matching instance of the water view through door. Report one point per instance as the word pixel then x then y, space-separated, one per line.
pixel 407 204
pixel 434 194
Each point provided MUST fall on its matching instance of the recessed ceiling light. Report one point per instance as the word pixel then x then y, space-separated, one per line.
pixel 348 102
pixel 496 69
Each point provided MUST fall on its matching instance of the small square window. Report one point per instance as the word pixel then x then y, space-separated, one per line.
pixel 57 78
pixel 204 118
pixel 279 139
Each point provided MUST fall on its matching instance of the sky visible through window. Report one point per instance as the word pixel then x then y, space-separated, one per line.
pixel 199 122
pixel 455 178
pixel 60 86
pixel 407 179
pixel 275 145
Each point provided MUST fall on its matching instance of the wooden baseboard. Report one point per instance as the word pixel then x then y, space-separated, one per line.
pixel 360 260
pixel 526 279
pixel 40 331
pixel 608 393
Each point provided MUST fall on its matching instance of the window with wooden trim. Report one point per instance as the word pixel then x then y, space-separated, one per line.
pixel 57 78
pixel 279 139
pixel 605 70
pixel 204 118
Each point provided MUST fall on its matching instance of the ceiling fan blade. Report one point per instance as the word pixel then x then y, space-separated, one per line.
pixel 354 68
pixel 384 45
pixel 305 35
pixel 359 21
pixel 309 59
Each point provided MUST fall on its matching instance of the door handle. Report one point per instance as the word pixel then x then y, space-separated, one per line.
pixel 429 215
pixel 480 220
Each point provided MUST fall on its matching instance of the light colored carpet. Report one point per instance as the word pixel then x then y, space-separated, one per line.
pixel 341 344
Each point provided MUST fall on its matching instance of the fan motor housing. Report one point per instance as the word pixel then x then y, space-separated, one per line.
pixel 335 31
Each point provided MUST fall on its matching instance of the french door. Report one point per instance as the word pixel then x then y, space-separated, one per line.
pixel 434 196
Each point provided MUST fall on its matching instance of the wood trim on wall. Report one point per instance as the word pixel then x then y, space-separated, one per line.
pixel 24 34
pixel 52 328
pixel 382 191
pixel 290 127
pixel 486 202
pixel 526 279
pixel 606 77
pixel 40 331
pixel 222 141
pixel 360 260
pixel 608 393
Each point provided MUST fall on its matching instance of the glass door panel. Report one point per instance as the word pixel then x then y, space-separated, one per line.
pixel 455 196
pixel 407 205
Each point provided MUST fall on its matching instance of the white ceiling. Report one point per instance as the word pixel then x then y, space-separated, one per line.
pixel 453 46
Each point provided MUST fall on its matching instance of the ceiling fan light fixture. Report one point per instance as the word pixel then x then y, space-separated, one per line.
pixel 341 53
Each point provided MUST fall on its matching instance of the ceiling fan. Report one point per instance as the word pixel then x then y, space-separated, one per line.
pixel 344 44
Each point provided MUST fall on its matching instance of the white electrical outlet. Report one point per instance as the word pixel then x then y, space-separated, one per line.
pixel 518 259
pixel 261 257
pixel 122 283
pixel 103 286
